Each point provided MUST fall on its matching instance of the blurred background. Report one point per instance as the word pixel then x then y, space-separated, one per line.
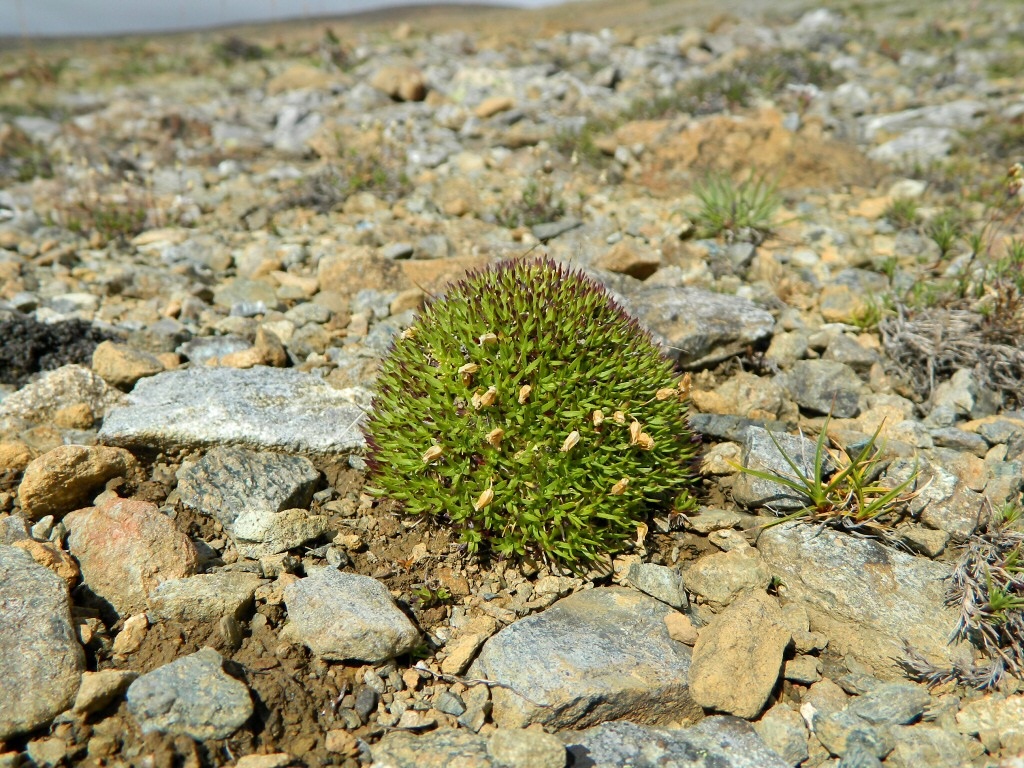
pixel 35 18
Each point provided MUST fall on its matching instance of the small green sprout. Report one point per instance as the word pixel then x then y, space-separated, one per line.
pixel 742 210
pixel 849 497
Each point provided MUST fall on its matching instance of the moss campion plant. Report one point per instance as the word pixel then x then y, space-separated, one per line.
pixel 532 414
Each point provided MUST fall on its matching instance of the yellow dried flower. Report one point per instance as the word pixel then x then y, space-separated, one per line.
pixel 570 441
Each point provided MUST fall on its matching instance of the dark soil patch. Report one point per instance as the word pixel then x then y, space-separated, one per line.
pixel 28 346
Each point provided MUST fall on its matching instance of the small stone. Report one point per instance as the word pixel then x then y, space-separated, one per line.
pixel 259 498
pixel 463 648
pixel 551 230
pixel 722 576
pixel 51 556
pixel 681 629
pixel 825 387
pixel 132 634
pixel 660 582
pixel 41 660
pixel 125 548
pixel 630 258
pixel 275 760
pixel 14 457
pixel 804 670
pixel 928 541
pixel 66 478
pixel 493 105
pixel 47 753
pixel 203 598
pixel 698 327
pixel 341 742
pixel 526 748
pixel 840 732
pixel 121 366
pixel 344 616
pixel 98 689
pixel 892 704
pixel 449 703
pixel 191 696
pixel 400 83
pixel 784 731
pixel 709 520
pixel 750 636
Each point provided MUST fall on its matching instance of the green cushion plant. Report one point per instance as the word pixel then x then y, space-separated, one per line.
pixel 531 413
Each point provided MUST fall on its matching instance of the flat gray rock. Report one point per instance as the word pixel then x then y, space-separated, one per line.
pixel 865 597
pixel 191 696
pixel 345 616
pixel 259 497
pixel 700 327
pixel 597 655
pixel 715 742
pixel 39 650
pixel 261 408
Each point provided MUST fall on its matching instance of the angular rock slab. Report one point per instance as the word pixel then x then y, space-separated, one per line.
pixel 262 408
pixel 738 656
pixel 41 662
pixel 700 327
pixel 715 742
pixel 867 598
pixel 597 655
pixel 191 696
pixel 342 616
pixel 258 497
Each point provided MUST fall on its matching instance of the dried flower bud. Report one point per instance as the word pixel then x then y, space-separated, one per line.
pixel 570 441
pixel 619 417
pixel 495 435
pixel 484 499
pixel 488 398
pixel 488 338
pixel 634 432
pixel 684 385
pixel 645 442
pixel 409 333
pixel 524 393
pixel 597 417
pixel 620 487
pixel 433 453
pixel 665 393
pixel 467 372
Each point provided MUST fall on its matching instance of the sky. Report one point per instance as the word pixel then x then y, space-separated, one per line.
pixel 103 17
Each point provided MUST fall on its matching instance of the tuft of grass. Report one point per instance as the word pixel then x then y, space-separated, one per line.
pixel 850 497
pixel 987 586
pixel 537 205
pixel 902 213
pixel 944 230
pixel 742 210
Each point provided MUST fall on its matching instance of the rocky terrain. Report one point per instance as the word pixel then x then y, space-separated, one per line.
pixel 208 241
